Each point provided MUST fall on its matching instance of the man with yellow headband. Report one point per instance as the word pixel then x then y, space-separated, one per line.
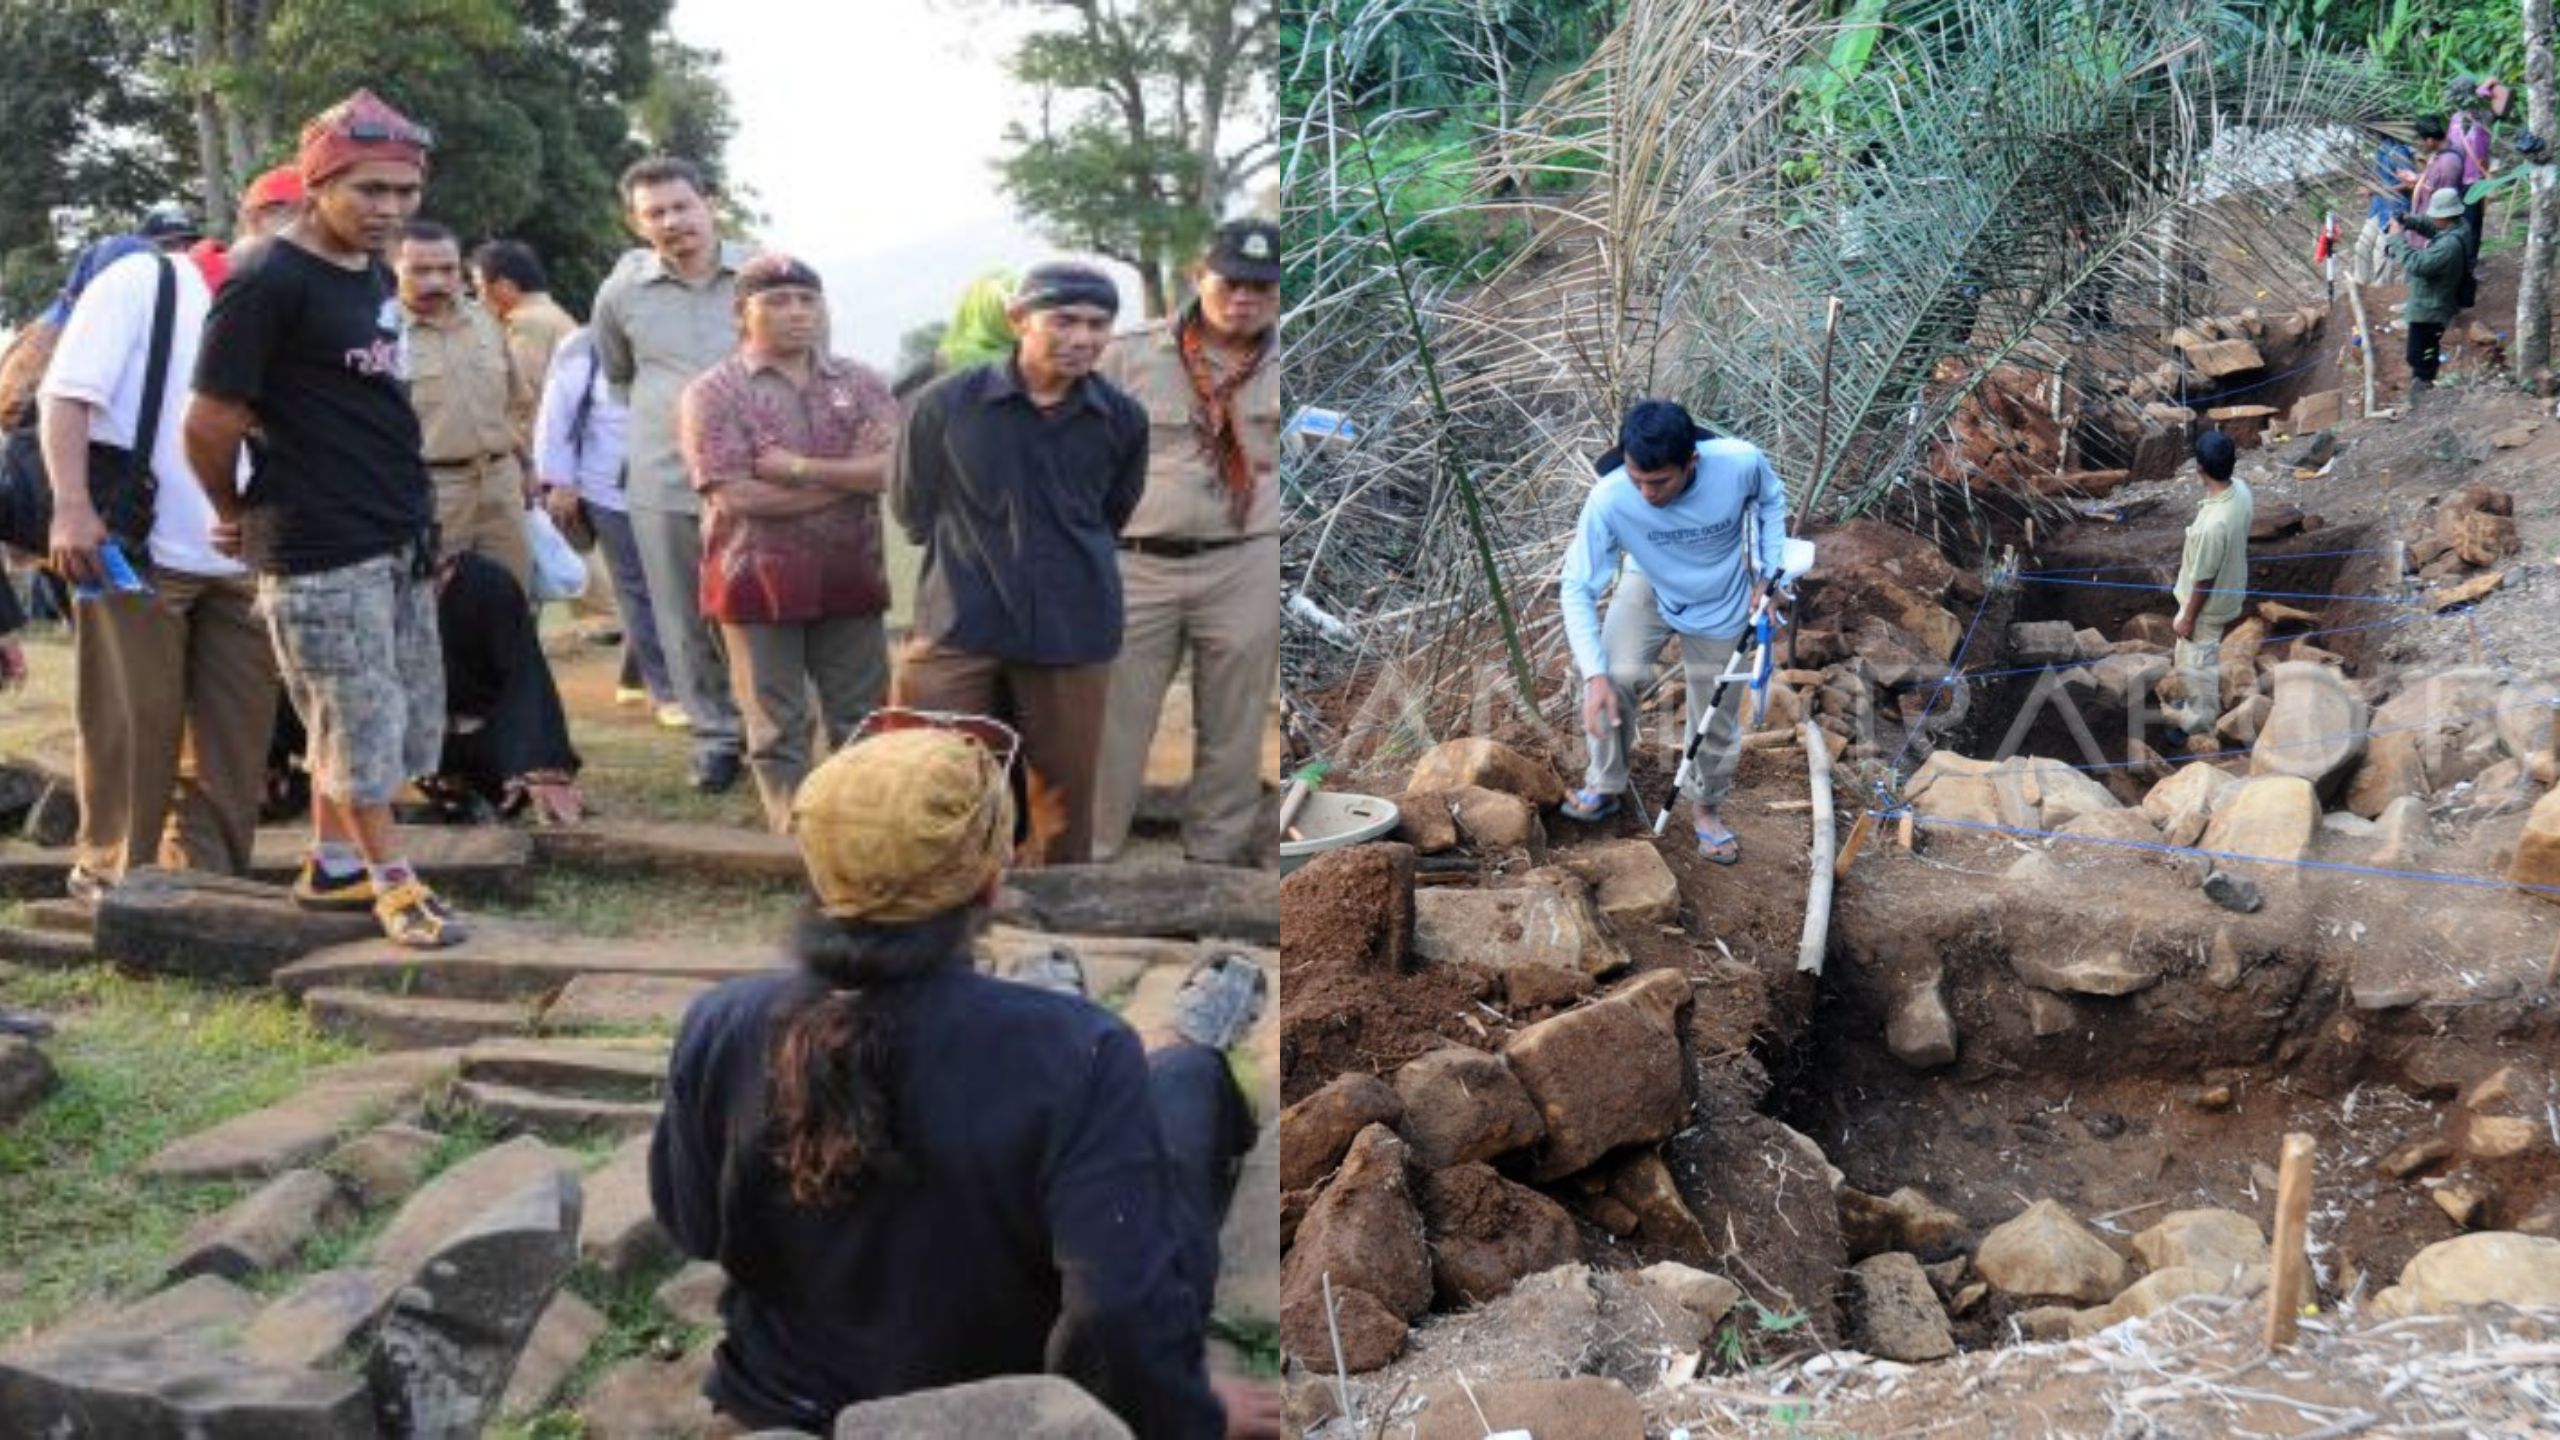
pixel 917 1175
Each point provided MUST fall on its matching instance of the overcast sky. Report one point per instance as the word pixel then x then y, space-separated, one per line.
pixel 868 134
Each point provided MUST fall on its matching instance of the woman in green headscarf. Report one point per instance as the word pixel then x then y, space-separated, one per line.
pixel 979 331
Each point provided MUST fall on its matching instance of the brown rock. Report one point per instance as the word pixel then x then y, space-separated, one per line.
pixel 1894 1313
pixel 26 1077
pixel 2150 628
pixel 1475 760
pixel 2392 767
pixel 2314 730
pixel 2501 1137
pixel 264 1231
pixel 1486 1233
pixel 2476 588
pixel 2271 817
pixel 383 1164
pixel 2218 360
pixel 2537 861
pixel 1630 882
pixel 1424 821
pixel 2462 1200
pixel 1606 1075
pixel 1348 910
pixel 1495 819
pixel 2220 1242
pixel 1644 1185
pixel 1586 1407
pixel 1544 927
pixel 1462 1105
pixel 1364 1232
pixel 2045 1253
pixel 2415 1156
pixel 1316 1131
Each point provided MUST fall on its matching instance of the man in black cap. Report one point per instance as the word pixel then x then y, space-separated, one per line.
pixel 1016 477
pixel 1200 560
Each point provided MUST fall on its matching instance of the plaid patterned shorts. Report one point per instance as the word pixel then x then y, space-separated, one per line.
pixel 364 669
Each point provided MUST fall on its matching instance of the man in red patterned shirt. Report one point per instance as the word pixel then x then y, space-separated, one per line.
pixel 790 448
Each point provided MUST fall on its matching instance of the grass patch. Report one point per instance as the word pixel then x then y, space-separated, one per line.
pixel 143 1063
pixel 634 1327
pixel 1256 1342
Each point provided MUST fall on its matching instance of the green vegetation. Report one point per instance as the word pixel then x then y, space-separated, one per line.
pixel 143 1063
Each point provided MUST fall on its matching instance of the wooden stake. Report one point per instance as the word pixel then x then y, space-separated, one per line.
pixel 2292 1260
pixel 2355 297
pixel 1906 832
pixel 1817 900
pixel 1849 848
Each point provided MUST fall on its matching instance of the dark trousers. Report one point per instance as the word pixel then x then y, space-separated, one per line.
pixel 1207 1126
pixel 2478 213
pixel 2426 351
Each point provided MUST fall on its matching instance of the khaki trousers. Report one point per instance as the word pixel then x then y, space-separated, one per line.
pixel 2199 662
pixel 176 700
pixel 773 668
pixel 1057 709
pixel 1632 634
pixel 480 507
pixel 1219 610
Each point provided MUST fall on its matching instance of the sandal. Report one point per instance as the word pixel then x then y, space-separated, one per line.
pixel 1717 844
pixel 1588 806
pixel 417 917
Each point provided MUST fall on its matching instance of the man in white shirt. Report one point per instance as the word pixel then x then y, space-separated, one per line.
pixel 579 443
pixel 176 688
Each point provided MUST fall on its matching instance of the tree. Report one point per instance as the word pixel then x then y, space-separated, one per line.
pixel 1131 155
pixel 82 139
pixel 2533 292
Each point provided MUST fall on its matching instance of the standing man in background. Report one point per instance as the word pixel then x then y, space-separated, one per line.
pixel 667 314
pixel 2213 578
pixel 1200 560
pixel 517 290
pixel 579 434
pixel 474 408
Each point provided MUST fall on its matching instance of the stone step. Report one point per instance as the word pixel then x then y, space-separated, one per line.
pixel 695 852
pixel 209 927
pixel 453 1201
pixel 46 949
pixel 556 1117
pixel 615 1001
pixel 600 1069
pixel 568 1329
pixel 503 960
pixel 475 860
pixel 1178 900
pixel 62 916
pixel 321 1321
pixel 618 1232
pixel 334 1104
pixel 412 1022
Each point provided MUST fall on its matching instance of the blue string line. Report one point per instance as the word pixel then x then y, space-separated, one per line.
pixel 2258 594
pixel 2161 564
pixel 2545 703
pixel 2393 623
pixel 2478 881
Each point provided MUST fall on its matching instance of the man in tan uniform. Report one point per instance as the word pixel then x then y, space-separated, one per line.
pixel 1200 560
pixel 474 407
pixel 517 290
pixel 2213 578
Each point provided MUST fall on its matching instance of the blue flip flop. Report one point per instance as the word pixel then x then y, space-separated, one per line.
pixel 1589 806
pixel 1719 846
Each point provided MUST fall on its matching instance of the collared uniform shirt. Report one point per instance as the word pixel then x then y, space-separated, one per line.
pixel 1186 497
pixel 774 571
pixel 471 401
pixel 535 329
pixel 1019 514
pixel 656 332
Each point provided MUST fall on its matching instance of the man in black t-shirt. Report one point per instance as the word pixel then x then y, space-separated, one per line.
pixel 303 346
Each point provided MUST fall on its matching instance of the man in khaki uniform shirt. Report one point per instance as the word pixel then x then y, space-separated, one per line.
pixel 1200 560
pixel 2213 578
pixel 517 290
pixel 473 407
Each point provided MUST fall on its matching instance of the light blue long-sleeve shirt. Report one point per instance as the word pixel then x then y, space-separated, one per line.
pixel 1691 549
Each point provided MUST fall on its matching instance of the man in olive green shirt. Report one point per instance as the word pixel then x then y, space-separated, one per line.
pixel 2213 577
pixel 474 409
pixel 1200 557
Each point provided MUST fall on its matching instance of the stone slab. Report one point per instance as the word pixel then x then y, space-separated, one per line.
pixel 480 861
pixel 411 1022
pixel 561 1339
pixel 209 927
pixel 321 1321
pixel 506 961
pixel 556 1117
pixel 46 949
pixel 335 1103
pixel 1182 901
pixel 617 1001
pixel 650 1399
pixel 1024 1407
pixel 456 1199
pixel 177 1387
pixel 697 852
pixel 619 1233
pixel 265 1230
pixel 618 1069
